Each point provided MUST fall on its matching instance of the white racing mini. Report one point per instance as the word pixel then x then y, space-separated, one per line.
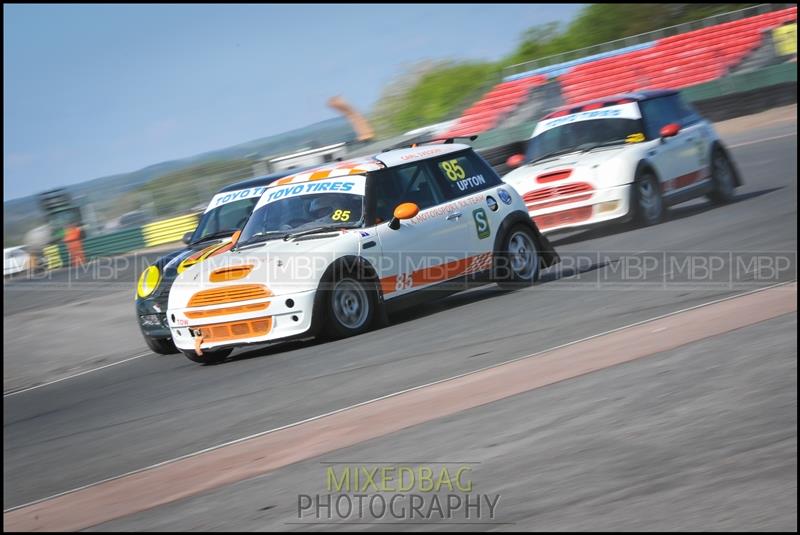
pixel 331 250
pixel 621 158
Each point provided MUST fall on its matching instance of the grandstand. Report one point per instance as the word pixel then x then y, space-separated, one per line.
pixel 500 101
pixel 678 61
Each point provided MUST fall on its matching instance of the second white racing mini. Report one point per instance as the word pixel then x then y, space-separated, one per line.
pixel 620 158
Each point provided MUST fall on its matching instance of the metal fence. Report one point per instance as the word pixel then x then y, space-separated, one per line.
pixel 641 38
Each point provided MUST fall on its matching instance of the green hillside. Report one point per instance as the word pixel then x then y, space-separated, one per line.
pixel 114 195
pixel 447 89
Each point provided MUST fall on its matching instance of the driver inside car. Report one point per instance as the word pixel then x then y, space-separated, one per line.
pixel 321 209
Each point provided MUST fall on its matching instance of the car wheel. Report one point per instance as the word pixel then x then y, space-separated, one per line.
pixel 350 307
pixel 162 346
pixel 517 264
pixel 722 179
pixel 648 204
pixel 214 356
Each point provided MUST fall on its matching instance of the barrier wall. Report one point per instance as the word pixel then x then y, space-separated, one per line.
pixel 168 230
pixel 774 75
pixel 117 242
pixel 124 241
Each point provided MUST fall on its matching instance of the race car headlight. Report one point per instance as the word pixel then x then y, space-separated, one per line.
pixel 148 282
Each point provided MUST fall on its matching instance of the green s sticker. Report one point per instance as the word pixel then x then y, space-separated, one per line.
pixel 481 223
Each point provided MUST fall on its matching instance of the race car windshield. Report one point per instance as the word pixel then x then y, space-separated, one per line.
pixel 291 215
pixel 224 220
pixel 582 135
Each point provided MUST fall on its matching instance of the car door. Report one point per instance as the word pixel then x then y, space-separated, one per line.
pixel 470 185
pixel 697 137
pixel 424 250
pixel 676 159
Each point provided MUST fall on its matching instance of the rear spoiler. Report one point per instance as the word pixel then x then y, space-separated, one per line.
pixel 411 143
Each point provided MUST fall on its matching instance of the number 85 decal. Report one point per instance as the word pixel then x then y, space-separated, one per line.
pixel 453 170
pixel 404 282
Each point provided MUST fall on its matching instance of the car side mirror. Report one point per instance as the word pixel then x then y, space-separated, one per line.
pixel 406 210
pixel 187 238
pixel 669 130
pixel 515 161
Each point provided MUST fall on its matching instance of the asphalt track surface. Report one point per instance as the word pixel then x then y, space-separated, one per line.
pixel 701 437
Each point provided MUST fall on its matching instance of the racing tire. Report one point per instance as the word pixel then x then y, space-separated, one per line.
pixel 722 179
pixel 648 205
pixel 350 306
pixel 162 346
pixel 214 356
pixel 517 264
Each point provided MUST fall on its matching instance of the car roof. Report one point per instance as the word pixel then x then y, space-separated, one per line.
pixel 393 158
pixel 366 164
pixel 257 181
pixel 620 98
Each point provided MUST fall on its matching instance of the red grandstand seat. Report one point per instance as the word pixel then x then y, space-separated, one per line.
pixel 677 61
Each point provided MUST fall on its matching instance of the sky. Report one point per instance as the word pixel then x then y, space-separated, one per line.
pixel 95 90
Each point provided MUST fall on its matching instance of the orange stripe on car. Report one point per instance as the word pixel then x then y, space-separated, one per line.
pixel 319 175
pixel 388 284
pixel 441 272
pixel 202 255
pixel 230 273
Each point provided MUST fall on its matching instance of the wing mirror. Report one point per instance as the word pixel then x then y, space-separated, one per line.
pixel 187 238
pixel 515 161
pixel 669 130
pixel 406 210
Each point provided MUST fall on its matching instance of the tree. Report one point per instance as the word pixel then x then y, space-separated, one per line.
pixel 434 91
pixel 437 93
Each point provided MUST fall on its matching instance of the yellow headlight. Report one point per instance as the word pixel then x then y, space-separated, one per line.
pixel 148 282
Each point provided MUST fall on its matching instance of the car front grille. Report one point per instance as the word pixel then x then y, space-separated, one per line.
pixel 222 332
pixel 229 294
pixel 542 198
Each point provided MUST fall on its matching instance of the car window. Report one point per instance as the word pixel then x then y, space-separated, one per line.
pixel 664 110
pixel 303 206
pixel 581 134
pixel 463 173
pixel 234 215
pixel 410 183
pixel 657 112
pixel 687 113
pixel 226 218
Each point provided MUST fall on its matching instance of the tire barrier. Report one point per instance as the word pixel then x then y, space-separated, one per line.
pixel 55 256
pixel 168 230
